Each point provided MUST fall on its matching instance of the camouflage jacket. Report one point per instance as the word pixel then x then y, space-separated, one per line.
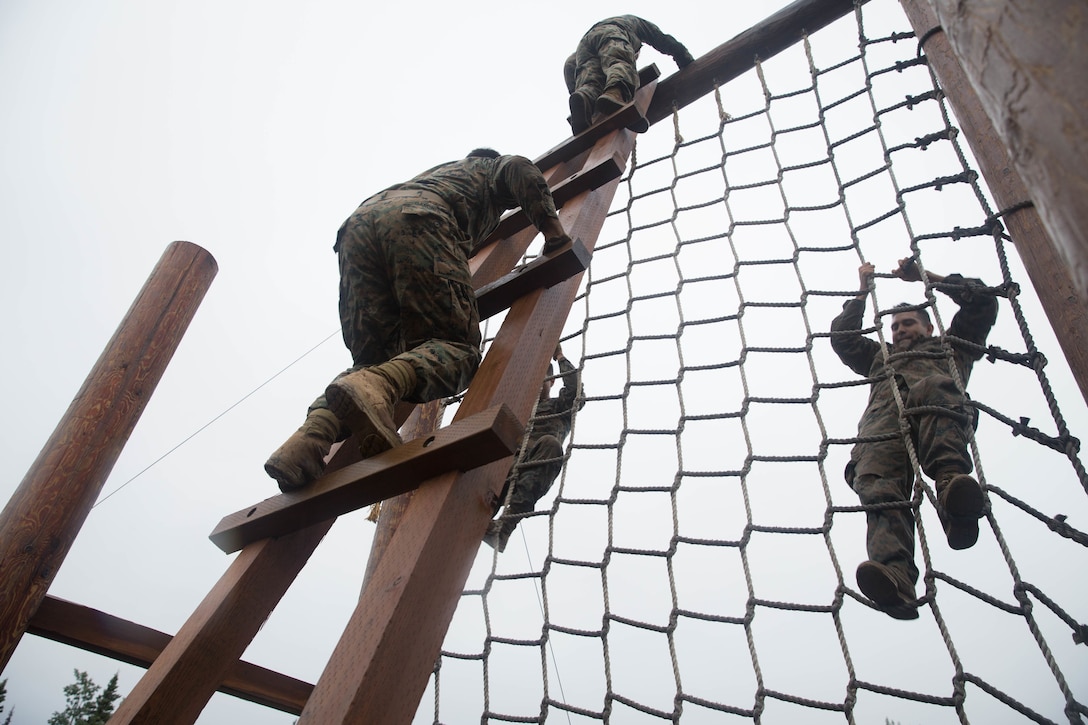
pixel 972 322
pixel 553 416
pixel 478 190
pixel 638 31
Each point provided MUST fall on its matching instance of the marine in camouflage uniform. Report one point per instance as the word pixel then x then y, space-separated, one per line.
pixel 880 470
pixel 407 307
pixel 533 475
pixel 601 74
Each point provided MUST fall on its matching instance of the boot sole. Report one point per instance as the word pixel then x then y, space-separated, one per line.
pixel 362 420
pixel 963 507
pixel 882 590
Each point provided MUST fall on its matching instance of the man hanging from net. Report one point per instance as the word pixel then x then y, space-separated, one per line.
pixel 532 476
pixel 601 75
pixel 407 307
pixel 880 470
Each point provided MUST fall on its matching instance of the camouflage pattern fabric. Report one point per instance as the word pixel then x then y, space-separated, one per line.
pixel 879 470
pixel 606 56
pixel 543 459
pixel 405 286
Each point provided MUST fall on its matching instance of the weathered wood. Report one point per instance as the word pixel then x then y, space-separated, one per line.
pixel 425 419
pixel 541 272
pixel 734 57
pixel 381 664
pixel 180 681
pixel 1027 61
pixel 491 435
pixel 110 636
pixel 192 666
pixel 1065 306
pixel 47 510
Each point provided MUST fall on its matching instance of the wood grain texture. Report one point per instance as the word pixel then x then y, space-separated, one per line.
pixel 47 510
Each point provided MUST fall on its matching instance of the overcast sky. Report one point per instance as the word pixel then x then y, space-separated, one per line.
pixel 251 129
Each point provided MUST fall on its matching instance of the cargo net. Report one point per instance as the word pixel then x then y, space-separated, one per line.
pixel 694 560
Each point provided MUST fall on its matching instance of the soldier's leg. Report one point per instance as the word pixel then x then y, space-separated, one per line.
pixel 889 576
pixel 618 60
pixel 431 325
pixel 534 477
pixel 588 85
pixel 940 431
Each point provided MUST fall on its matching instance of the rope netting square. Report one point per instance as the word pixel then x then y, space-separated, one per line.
pixel 694 560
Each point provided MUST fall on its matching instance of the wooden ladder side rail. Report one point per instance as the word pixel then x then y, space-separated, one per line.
pixel 45 513
pixel 135 644
pixel 488 436
pixel 380 667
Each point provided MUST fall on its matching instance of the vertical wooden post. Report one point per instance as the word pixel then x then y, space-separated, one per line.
pixel 46 512
pixel 1062 294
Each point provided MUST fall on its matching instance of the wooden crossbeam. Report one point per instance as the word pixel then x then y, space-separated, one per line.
pixel 467 444
pixel 540 273
pixel 95 631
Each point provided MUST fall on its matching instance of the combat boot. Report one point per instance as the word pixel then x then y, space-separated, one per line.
pixel 364 400
pixel 959 504
pixel 498 533
pixel 581 113
pixel 301 459
pixel 610 101
pixel 892 593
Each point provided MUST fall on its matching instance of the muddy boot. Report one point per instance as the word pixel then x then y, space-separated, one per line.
pixel 960 504
pixel 301 459
pixel 365 400
pixel 892 593
pixel 610 101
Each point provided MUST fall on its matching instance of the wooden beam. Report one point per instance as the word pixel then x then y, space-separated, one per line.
pixel 1065 306
pixel 1027 62
pixel 95 631
pixel 540 273
pixel 46 512
pixel 490 435
pixel 735 57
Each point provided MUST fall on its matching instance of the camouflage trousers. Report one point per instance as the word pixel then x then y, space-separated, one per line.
pixel 535 474
pixel 406 294
pixel 604 60
pixel 880 472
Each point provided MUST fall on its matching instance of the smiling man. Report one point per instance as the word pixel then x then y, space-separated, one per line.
pixel 880 470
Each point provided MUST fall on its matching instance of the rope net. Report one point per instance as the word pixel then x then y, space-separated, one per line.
pixel 695 559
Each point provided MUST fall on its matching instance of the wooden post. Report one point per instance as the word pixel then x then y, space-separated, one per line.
pixel 1062 296
pixel 1027 61
pixel 46 512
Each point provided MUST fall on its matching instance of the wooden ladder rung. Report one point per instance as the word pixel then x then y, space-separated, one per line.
pixel 541 273
pixel 478 439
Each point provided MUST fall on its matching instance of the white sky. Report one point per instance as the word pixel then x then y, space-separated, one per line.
pixel 252 129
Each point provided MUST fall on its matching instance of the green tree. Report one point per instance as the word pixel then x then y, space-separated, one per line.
pixel 4 696
pixel 86 706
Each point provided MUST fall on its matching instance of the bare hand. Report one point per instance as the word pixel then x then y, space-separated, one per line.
pixel 865 275
pixel 558 352
pixel 908 271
